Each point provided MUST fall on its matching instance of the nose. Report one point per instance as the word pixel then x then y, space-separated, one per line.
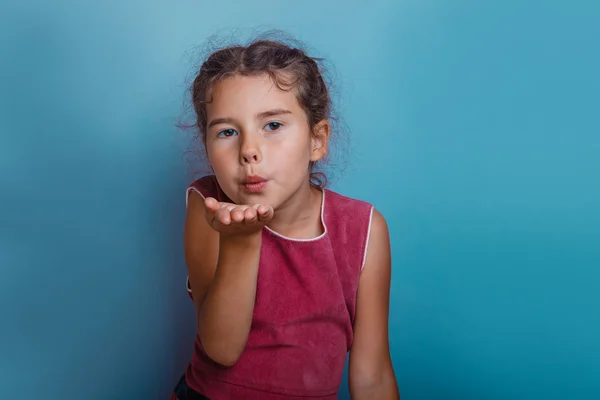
pixel 250 150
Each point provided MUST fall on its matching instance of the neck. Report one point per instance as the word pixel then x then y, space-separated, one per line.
pixel 300 216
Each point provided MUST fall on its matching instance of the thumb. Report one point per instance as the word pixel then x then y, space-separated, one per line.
pixel 211 204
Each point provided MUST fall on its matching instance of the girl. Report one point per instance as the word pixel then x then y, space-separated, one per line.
pixel 286 276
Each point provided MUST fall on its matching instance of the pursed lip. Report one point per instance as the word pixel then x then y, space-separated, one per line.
pixel 249 180
pixel 254 184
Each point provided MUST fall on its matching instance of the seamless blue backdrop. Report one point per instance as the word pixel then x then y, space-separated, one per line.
pixel 474 128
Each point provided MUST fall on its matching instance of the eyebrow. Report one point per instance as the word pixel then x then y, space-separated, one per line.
pixel 264 114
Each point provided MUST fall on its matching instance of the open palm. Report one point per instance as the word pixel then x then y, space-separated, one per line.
pixel 235 219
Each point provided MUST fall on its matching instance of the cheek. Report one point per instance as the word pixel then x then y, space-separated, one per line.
pixel 219 158
pixel 293 155
pixel 296 147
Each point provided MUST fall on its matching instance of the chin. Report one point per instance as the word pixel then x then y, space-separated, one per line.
pixel 254 198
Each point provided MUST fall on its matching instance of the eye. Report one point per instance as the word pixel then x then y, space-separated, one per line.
pixel 227 133
pixel 273 126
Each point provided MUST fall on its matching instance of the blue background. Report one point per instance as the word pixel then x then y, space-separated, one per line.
pixel 474 129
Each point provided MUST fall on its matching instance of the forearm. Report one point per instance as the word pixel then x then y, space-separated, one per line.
pixel 225 316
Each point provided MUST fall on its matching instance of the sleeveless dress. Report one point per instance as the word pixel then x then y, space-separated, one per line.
pixel 304 310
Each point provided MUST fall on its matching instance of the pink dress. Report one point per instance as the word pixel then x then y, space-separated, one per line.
pixel 304 310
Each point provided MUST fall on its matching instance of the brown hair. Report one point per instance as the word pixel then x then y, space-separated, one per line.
pixel 289 67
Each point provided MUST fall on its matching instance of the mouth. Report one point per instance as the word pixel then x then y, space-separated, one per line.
pixel 254 184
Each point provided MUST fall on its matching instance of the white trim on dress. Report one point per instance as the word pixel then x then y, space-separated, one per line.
pixel 322 235
pixel 367 239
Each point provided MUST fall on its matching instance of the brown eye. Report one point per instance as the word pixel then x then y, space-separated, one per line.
pixel 227 133
pixel 273 126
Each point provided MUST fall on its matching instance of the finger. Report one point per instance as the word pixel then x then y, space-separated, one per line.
pixel 250 216
pixel 265 212
pixel 237 214
pixel 223 216
pixel 230 207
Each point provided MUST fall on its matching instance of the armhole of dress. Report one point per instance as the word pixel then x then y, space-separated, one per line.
pixel 366 247
pixel 187 285
pixel 187 194
pixel 187 198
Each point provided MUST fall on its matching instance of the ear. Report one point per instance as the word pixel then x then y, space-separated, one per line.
pixel 320 140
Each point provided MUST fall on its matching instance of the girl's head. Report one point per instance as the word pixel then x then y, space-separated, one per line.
pixel 263 113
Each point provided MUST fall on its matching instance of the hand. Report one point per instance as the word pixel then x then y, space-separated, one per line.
pixel 235 219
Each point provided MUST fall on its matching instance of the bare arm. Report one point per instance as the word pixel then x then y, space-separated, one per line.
pixel 371 374
pixel 222 266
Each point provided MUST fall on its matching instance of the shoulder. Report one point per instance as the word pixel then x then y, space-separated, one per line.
pixel 378 223
pixel 342 203
pixel 378 245
pixel 350 223
pixel 206 186
pixel 339 202
pixel 348 214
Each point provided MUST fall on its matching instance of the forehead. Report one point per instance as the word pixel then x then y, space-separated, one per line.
pixel 240 95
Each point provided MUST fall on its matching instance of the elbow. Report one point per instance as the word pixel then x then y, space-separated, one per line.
pixel 225 360
pixel 368 386
pixel 224 354
pixel 221 344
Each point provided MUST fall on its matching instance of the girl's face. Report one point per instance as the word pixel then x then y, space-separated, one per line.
pixel 259 142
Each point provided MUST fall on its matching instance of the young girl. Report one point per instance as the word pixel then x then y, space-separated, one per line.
pixel 286 276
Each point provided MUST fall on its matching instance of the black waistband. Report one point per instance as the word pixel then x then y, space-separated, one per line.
pixel 184 392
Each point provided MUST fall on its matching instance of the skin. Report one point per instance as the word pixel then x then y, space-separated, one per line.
pixel 256 129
